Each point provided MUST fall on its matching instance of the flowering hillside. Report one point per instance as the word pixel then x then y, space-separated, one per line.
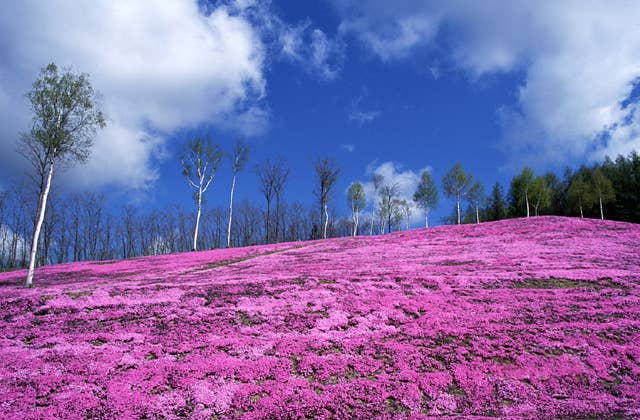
pixel 531 318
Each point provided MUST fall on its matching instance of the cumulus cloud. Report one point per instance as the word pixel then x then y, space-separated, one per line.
pixel 580 59
pixel 389 32
pixel 348 147
pixel 394 173
pixel 319 55
pixel 357 113
pixel 158 68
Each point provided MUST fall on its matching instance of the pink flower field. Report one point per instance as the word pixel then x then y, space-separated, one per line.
pixel 525 318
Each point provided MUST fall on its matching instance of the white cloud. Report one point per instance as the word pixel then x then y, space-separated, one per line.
pixel 580 60
pixel 348 147
pixel 389 32
pixel 319 55
pixel 362 117
pixel 158 68
pixel 357 113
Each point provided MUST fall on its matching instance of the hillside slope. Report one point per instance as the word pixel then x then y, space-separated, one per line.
pixel 531 317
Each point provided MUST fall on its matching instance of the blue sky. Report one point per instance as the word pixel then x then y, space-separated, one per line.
pixel 494 85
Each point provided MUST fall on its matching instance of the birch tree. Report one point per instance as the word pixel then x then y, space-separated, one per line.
pixel 389 203
pixel 426 195
pixel 66 117
pixel 476 196
pixel 327 174
pixel 239 157
pixel 357 201
pixel 520 190
pixel 271 177
pixel 405 208
pixel 280 174
pixel 580 194
pixel 602 188
pixel 377 183
pixel 200 161
pixel 456 183
pixel 540 194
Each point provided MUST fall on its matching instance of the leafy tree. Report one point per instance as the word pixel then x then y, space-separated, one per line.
pixel 624 173
pixel 519 192
pixel 497 208
pixel 66 117
pixel 476 197
pixel 580 194
pixel 388 204
pixel 426 195
pixel 405 210
pixel 602 188
pixel 540 194
pixel 327 174
pixel 239 157
pixel 357 201
pixel 200 161
pixel 558 192
pixel 456 183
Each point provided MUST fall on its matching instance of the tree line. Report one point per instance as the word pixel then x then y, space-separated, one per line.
pixel 77 227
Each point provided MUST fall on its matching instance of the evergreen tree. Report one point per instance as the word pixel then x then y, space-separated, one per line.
pixel 497 208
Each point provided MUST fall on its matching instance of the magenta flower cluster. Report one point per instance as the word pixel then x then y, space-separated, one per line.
pixel 526 318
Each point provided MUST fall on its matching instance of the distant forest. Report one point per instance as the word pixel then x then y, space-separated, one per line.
pixel 79 227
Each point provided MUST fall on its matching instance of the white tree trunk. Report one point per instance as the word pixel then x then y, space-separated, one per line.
pixel 326 222
pixel 526 198
pixel 36 232
pixel 601 211
pixel 477 214
pixel 195 233
pixel 355 228
pixel 458 206
pixel 426 216
pixel 233 185
pixel 373 217
pixel 581 213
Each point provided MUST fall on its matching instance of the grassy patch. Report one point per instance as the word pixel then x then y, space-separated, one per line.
pixel 220 264
pixel 453 263
pixel 246 319
pixel 76 295
pixel 240 259
pixel 326 281
pixel 562 283
pixel 99 342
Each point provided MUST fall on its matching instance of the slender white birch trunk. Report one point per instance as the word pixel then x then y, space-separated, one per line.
pixel 326 222
pixel 195 233
pixel 581 213
pixel 458 206
pixel 36 232
pixel 526 198
pixel 233 185
pixel 477 214
pixel 601 211
pixel 355 222
pixel 373 217
pixel 426 216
